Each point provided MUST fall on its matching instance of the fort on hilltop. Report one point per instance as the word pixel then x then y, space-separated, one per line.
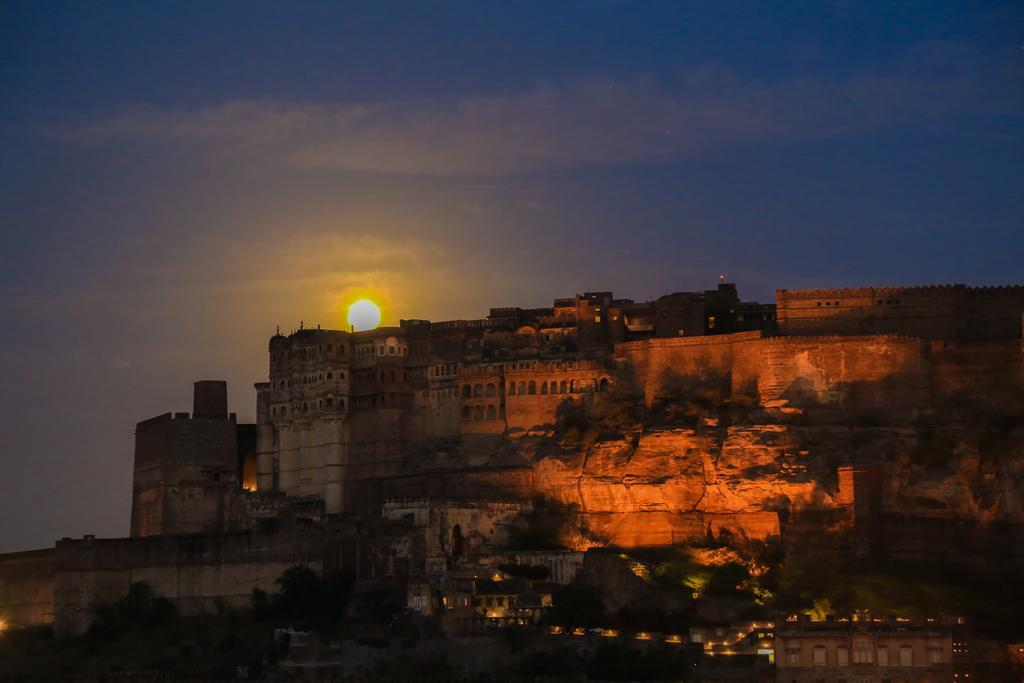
pixel 422 432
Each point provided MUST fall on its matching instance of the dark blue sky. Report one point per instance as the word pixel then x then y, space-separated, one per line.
pixel 179 178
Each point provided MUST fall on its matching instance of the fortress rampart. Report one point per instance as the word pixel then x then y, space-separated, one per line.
pixel 947 312
pixel 187 469
pixel 26 587
pixel 195 572
pixel 345 421
pixel 869 372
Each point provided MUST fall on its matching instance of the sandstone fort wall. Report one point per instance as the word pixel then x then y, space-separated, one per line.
pixel 950 312
pixel 26 587
pixel 859 372
pixel 196 572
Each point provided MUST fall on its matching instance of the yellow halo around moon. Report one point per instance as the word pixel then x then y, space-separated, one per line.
pixel 363 315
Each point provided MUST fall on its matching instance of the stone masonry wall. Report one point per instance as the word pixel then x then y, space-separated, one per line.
pixel 194 571
pixel 875 371
pixel 26 587
pixel 950 312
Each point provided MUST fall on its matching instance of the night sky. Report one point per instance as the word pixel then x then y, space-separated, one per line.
pixel 177 179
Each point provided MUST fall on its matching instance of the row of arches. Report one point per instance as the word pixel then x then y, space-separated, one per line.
pixel 530 388
pixel 479 412
pixel 306 353
pixel 321 404
pixel 310 379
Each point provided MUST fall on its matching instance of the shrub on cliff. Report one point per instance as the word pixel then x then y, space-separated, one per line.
pixel 616 409
pixel 683 400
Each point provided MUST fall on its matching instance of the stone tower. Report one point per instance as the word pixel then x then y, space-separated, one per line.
pixel 187 467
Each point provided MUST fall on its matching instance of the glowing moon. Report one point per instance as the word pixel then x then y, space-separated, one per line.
pixel 364 315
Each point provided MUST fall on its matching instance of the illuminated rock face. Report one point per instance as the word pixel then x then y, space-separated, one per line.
pixel 667 486
pixel 746 481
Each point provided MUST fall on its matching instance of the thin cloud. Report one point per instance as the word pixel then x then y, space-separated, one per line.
pixel 599 121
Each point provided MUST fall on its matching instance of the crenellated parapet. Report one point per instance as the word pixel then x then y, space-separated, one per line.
pixel 937 312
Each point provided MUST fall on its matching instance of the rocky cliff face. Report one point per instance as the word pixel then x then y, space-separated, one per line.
pixel 749 480
pixel 662 486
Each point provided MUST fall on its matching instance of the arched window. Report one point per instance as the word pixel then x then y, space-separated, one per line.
pixel 603 385
pixel 284 411
pixel 522 388
pixel 330 348
pixel 554 387
pixel 478 390
pixel 491 390
pixel 491 414
pixel 544 387
pixel 563 387
pixel 330 402
pixel 273 411
pixel 467 391
pixel 511 388
pixel 330 375
pixel 572 386
pixel 532 388
pixel 305 407
pixel 465 412
pixel 478 413
pixel 341 403
pixel 392 375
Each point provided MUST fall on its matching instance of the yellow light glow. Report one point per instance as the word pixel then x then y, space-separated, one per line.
pixel 3 625
pixel 363 315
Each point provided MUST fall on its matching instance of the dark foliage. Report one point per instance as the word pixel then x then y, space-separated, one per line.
pixel 530 572
pixel 139 608
pixel 576 605
pixel 305 599
pixel 618 662
pixel 544 526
